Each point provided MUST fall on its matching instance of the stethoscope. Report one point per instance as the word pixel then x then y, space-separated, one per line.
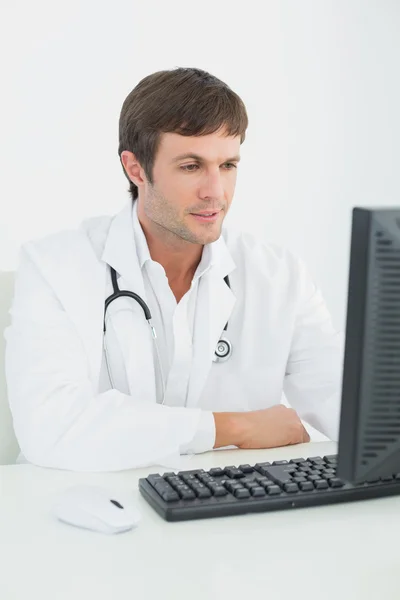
pixel 222 351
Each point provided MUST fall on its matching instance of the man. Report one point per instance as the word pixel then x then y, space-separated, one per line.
pixel 87 401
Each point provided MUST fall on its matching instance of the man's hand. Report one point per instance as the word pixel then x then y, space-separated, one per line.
pixel 267 428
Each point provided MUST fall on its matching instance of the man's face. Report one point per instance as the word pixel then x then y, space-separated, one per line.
pixel 192 175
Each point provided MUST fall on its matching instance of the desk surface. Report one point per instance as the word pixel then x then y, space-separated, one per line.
pixel 347 551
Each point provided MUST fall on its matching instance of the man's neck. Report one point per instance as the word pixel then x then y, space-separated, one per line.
pixel 179 269
pixel 178 257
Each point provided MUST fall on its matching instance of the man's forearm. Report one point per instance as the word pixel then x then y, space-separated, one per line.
pixel 229 428
pixel 270 427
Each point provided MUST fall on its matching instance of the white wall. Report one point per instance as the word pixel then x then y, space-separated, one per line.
pixel 320 79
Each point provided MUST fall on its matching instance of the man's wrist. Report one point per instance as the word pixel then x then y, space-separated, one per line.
pixel 229 428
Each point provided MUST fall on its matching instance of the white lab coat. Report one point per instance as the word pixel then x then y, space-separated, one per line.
pixel 281 331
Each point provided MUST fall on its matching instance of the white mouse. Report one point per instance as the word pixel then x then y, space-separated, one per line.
pixel 95 508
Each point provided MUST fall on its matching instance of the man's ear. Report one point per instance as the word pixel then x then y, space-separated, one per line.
pixel 133 168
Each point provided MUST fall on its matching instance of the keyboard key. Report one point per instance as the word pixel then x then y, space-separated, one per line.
pixel 191 472
pixel 261 467
pixel 242 493
pixel 245 480
pixel 169 496
pixel 290 468
pixel 173 479
pixel 187 494
pixel 298 461
pixel 213 484
pixel 315 459
pixel 299 479
pixel 189 478
pixel 277 463
pixel 155 478
pixel 321 484
pixel 231 485
pixel 261 479
pixel 162 486
pixel 203 492
pixel 258 492
pixel 316 472
pixel 268 485
pixel 305 469
pixel 306 486
pixel 216 472
pixel 273 490
pixel 330 458
pixel 251 484
pixel 336 482
pixel 291 487
pixel 246 468
pixel 313 477
pixel 234 473
pixel 179 486
pixel 219 491
pixel 199 485
pixel 205 478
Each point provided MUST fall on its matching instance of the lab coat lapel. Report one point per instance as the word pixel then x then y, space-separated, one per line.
pixel 129 322
pixel 215 303
pixel 120 252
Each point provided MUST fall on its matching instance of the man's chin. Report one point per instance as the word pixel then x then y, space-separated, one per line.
pixel 210 237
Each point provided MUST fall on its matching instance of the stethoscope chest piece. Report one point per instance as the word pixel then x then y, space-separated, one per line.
pixel 223 351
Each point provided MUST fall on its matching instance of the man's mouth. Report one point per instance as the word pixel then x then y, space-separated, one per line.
pixel 206 217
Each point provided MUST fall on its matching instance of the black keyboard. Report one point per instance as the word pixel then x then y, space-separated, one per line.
pixel 300 482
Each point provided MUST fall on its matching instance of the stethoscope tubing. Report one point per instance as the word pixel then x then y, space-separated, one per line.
pixel 224 347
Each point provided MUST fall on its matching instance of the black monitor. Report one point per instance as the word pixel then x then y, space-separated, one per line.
pixel 369 438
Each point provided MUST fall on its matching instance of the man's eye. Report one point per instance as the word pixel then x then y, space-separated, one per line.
pixel 189 168
pixel 193 167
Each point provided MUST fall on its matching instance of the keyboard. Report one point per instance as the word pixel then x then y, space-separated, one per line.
pixel 266 486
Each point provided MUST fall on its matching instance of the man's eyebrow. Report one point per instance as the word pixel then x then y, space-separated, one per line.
pixel 200 158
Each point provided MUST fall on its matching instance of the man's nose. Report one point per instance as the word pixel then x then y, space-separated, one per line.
pixel 212 186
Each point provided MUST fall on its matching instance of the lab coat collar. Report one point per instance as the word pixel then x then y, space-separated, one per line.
pixel 142 248
pixel 120 249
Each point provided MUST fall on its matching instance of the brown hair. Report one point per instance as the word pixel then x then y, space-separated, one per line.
pixel 184 101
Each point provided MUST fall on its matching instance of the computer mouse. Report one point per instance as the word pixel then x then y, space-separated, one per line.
pixel 95 508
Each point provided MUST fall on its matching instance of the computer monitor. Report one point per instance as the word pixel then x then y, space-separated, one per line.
pixel 369 438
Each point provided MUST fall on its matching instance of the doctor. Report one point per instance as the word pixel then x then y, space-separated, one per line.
pixel 237 321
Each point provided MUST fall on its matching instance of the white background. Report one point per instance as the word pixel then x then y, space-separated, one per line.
pixel 320 80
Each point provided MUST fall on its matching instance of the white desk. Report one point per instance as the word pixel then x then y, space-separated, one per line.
pixel 347 551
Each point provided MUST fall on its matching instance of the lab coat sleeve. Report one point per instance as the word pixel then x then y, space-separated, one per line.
pixel 59 421
pixel 204 438
pixel 314 368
